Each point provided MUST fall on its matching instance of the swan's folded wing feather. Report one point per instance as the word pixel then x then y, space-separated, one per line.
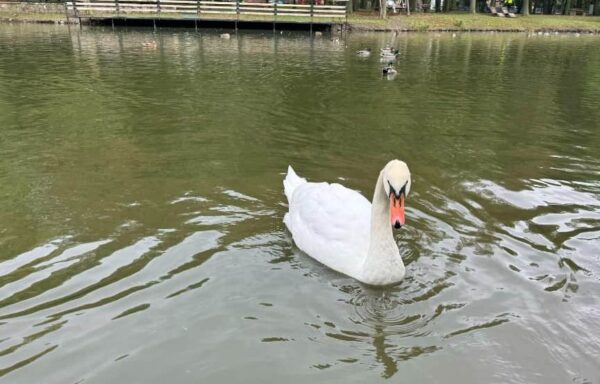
pixel 331 223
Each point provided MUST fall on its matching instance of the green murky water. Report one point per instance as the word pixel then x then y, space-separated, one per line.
pixel 141 206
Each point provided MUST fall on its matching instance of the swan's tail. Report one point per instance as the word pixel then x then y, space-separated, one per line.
pixel 291 182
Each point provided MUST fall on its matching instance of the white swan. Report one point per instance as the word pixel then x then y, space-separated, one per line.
pixel 340 228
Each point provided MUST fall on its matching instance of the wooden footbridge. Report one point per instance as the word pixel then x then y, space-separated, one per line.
pixel 231 11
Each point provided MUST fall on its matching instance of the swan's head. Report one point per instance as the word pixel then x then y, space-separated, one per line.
pixel 396 183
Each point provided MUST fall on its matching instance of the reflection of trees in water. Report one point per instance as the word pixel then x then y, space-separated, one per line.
pixel 106 103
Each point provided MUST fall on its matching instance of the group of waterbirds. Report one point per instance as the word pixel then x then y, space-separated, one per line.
pixel 386 55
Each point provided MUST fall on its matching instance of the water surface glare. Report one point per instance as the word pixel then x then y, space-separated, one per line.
pixel 141 206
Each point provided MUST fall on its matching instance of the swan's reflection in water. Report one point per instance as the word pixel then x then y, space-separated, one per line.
pixel 386 313
pixel 388 317
pixel 383 311
pixel 152 228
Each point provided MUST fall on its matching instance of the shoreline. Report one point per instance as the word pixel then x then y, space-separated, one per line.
pixel 48 13
pixel 481 22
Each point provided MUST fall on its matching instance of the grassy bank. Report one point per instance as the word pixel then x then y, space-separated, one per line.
pixel 32 17
pixel 32 12
pixel 477 22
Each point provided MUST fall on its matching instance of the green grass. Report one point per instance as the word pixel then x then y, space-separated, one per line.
pixel 31 17
pixel 477 22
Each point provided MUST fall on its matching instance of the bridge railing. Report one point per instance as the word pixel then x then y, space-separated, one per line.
pixel 189 8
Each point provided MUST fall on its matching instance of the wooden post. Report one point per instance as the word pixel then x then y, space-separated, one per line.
pixel 118 8
pixel 158 9
pixel 76 12
pixel 67 12
pixel 274 14
pixel 237 14
pixel 312 5
pixel 197 14
pixel 348 4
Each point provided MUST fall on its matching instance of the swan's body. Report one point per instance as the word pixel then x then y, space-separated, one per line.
pixel 341 229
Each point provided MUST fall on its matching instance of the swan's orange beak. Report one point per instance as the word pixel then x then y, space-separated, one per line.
pixel 397 210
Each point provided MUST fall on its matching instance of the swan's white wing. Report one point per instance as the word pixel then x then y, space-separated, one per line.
pixel 330 223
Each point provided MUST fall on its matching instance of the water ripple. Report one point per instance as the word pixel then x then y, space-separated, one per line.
pixel 141 210
pixel 387 313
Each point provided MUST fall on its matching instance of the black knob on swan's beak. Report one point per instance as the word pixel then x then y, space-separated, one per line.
pixel 397 224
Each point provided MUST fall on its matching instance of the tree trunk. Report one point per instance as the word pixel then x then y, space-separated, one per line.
pixel 473 6
pixel 548 7
pixel 382 9
pixel 438 5
pixel 567 9
pixel 419 6
pixel 525 8
pixel 597 8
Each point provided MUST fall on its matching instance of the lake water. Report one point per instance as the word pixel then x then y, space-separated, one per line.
pixel 141 206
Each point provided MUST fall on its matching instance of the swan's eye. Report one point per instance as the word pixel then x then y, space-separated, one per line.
pixel 389 189
pixel 397 193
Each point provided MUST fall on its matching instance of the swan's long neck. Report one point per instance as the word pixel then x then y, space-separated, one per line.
pixel 383 264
